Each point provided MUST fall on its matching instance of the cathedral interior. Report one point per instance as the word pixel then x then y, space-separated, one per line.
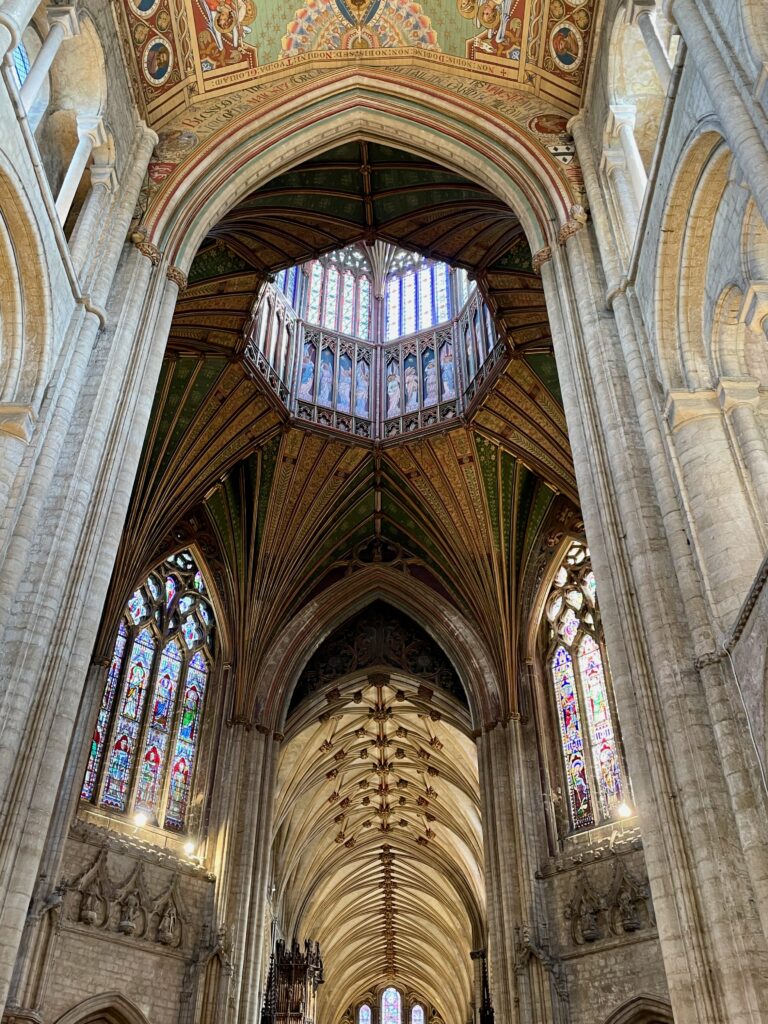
pixel 383 544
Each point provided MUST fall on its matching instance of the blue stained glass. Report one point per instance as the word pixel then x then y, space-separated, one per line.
pixel 442 294
pixel 315 291
pixel 21 63
pixel 170 590
pixel 185 749
pixel 478 338
pixel 137 607
pixel 191 632
pixel 100 732
pixel 348 303
pixel 489 328
pixel 152 765
pixel 364 1014
pixel 126 732
pixel 186 603
pixel 280 280
pixel 363 308
pixel 331 298
pixel 426 313
pixel 199 582
pixel 393 308
pixel 390 1006
pixel 154 587
pixel 409 303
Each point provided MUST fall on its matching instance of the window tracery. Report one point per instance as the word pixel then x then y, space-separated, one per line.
pixel 595 773
pixel 145 743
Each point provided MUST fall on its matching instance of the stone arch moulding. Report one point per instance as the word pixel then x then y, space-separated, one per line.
pixel 286 658
pixel 112 1007
pixel 241 157
pixel 25 312
pixel 694 195
pixel 642 1009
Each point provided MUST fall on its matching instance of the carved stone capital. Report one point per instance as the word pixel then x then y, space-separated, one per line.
pixel 177 276
pixel 541 257
pixel 146 248
pixel 684 406
pixel 574 224
pixel 732 392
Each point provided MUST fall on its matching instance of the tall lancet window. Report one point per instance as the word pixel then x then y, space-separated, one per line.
pixel 391 1007
pixel 364 1014
pixel 145 743
pixel 595 773
pixel 417 1014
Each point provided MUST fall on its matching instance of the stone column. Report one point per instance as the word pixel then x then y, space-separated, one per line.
pixel 739 399
pixel 615 170
pixel 622 124
pixel 15 15
pixel 87 231
pixel 703 879
pixel 63 25
pixel 243 799
pixel 90 133
pixel 736 120
pixel 640 13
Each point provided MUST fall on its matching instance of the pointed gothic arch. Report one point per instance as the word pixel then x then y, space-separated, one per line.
pixel 105 1008
pixel 285 659
pixel 348 106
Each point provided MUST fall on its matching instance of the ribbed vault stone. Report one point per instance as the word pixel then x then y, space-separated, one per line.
pixel 377 835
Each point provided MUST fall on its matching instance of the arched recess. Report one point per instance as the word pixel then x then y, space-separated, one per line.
pixel 642 1009
pixel 105 1008
pixel 353 105
pixel 302 636
pixel 695 193
pixel 24 310
pixel 634 85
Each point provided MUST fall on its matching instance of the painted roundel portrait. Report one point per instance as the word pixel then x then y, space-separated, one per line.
pixel 157 60
pixel 144 7
pixel 567 46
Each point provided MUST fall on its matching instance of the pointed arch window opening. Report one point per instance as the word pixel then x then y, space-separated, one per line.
pixel 365 1014
pixel 391 1006
pixel 145 745
pixel 596 779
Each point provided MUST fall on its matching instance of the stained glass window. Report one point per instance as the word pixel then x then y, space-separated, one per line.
pixel 393 309
pixel 145 742
pixel 409 304
pixel 364 1014
pixel 315 291
pixel 390 1006
pixel 346 320
pixel 363 308
pixel 595 774
pixel 442 294
pixel 417 1014
pixel 21 63
pixel 426 307
pixel 331 298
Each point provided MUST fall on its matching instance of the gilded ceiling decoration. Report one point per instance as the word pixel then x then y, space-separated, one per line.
pixel 378 844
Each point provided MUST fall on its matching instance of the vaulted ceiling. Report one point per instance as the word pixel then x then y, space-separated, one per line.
pixel 378 848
